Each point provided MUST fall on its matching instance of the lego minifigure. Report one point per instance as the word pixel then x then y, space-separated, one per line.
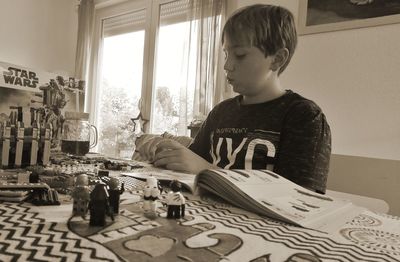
pixel 99 206
pixel 175 201
pixel 34 176
pixel 36 194
pixel 114 193
pixel 81 196
pixel 151 193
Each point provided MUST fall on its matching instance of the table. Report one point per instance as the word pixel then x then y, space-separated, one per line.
pixel 211 231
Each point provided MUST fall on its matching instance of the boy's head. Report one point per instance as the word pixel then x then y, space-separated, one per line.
pixel 267 27
pixel 175 186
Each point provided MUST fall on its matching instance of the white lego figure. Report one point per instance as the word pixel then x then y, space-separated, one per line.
pixel 151 193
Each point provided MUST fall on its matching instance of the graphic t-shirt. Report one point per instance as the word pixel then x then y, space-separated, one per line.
pixel 288 135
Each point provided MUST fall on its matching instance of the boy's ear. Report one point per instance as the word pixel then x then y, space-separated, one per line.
pixel 280 58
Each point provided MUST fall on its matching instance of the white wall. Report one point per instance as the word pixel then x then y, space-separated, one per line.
pixel 354 75
pixel 39 34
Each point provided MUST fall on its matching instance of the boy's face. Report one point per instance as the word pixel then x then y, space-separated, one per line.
pixel 247 69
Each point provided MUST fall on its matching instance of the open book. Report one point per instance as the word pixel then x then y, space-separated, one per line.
pixel 268 194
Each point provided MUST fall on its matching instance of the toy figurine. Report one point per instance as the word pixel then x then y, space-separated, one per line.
pixel 115 193
pixel 81 196
pixel 175 201
pixel 151 193
pixel 99 206
pixel 34 177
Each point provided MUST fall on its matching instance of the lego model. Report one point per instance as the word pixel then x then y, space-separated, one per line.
pixel 175 201
pixel 6 144
pixel 20 132
pixel 114 194
pixel 81 196
pixel 151 193
pixel 53 101
pixel 22 146
pixel 99 206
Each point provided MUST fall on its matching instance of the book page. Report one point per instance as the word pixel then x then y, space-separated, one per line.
pixel 269 193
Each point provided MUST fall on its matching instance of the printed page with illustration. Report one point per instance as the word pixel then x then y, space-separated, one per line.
pixel 266 193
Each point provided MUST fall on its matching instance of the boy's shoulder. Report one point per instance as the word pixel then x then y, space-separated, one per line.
pixel 301 109
pixel 299 102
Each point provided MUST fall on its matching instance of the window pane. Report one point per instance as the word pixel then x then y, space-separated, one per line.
pixel 119 92
pixel 172 105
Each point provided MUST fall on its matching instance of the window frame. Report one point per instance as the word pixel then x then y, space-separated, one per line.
pixel 152 20
pixel 97 50
pixel 149 68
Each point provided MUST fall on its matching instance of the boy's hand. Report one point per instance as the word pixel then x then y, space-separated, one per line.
pixel 145 150
pixel 172 155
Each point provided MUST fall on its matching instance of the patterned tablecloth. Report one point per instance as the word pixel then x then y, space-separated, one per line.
pixel 210 231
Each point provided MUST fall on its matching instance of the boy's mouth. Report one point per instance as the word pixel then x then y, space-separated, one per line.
pixel 230 80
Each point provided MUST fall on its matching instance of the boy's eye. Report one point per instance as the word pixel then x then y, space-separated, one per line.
pixel 239 53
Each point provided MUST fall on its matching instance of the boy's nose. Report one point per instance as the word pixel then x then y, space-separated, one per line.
pixel 228 66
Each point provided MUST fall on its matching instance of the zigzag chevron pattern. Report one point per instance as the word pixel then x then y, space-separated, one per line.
pixel 29 238
pixel 26 236
pixel 292 237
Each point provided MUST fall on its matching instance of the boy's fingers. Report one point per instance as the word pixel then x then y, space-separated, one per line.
pixel 169 144
pixel 147 149
pixel 162 161
pixel 136 156
pixel 175 166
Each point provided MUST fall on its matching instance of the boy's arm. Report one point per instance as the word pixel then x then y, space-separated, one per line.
pixel 305 147
pixel 172 155
pixel 201 144
pixel 146 145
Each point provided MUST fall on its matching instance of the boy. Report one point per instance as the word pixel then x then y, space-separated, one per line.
pixel 265 126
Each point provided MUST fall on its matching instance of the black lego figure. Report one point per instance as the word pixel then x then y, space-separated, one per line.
pixel 36 194
pixel 99 206
pixel 175 201
pixel 114 194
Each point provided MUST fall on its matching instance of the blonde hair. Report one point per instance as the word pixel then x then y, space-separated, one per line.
pixel 267 27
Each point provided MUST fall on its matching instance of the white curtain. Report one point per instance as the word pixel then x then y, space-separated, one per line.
pixel 85 38
pixel 208 17
pixel 201 56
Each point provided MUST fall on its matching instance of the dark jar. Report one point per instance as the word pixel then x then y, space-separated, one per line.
pixel 78 135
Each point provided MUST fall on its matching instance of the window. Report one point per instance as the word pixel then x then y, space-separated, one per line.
pixel 119 92
pixel 120 82
pixel 148 63
pixel 174 80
